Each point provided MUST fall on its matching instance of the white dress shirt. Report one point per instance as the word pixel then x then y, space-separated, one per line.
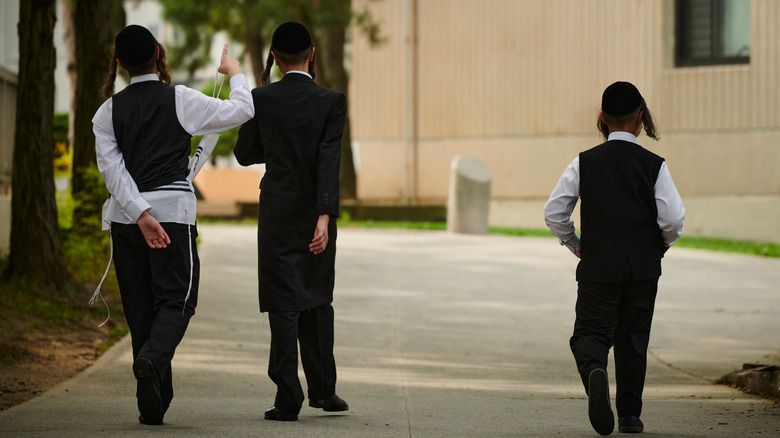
pixel 300 73
pixel 198 114
pixel 560 205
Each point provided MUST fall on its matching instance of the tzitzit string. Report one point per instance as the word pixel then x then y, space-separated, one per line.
pixel 214 94
pixel 189 241
pixel 97 293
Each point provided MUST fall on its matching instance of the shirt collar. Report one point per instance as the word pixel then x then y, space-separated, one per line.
pixel 622 135
pixel 144 78
pixel 299 72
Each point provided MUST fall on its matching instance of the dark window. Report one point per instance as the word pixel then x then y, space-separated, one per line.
pixel 711 32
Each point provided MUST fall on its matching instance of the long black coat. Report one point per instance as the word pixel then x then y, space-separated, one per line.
pixel 296 132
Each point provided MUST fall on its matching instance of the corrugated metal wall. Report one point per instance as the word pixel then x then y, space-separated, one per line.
pixel 537 67
pixel 505 67
pixel 517 84
pixel 377 74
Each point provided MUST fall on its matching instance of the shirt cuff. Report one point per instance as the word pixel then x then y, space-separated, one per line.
pixel 237 81
pixel 573 244
pixel 136 208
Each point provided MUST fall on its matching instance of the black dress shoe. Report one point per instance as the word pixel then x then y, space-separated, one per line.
pixel 142 421
pixel 630 424
pixel 149 403
pixel 333 403
pixel 599 410
pixel 276 414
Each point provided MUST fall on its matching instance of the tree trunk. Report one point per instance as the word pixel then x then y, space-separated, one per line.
pixel 69 38
pixel 95 23
pixel 329 37
pixel 255 43
pixel 36 256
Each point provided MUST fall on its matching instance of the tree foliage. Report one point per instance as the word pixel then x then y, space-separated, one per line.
pixel 245 21
pixel 252 23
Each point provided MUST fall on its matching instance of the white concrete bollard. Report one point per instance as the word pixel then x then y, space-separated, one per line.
pixel 469 196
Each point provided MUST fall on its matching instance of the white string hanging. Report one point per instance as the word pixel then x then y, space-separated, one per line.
pixel 204 150
pixel 97 293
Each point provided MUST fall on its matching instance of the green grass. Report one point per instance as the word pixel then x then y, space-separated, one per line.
pixel 526 232
pixel 246 221
pixel 86 256
pixel 727 245
pixel 18 300
pixel 395 225
pixel 435 226
pixel 713 244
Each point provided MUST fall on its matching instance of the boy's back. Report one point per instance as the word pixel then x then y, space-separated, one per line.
pixel 153 143
pixel 292 117
pixel 630 214
pixel 620 236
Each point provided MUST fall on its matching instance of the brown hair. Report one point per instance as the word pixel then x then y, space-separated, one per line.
pixel 287 59
pixel 154 64
pixel 619 122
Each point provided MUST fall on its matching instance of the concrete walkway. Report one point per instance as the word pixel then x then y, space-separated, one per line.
pixel 440 335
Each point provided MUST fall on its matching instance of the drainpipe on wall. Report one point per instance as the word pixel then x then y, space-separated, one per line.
pixel 410 103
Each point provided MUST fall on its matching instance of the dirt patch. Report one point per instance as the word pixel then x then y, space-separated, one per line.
pixel 35 360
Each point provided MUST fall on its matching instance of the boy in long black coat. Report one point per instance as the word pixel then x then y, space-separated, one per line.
pixel 297 132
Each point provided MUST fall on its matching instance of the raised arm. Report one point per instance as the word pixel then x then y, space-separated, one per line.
pixel 200 114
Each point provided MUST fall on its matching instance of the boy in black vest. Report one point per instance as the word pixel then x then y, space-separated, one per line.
pixel 142 144
pixel 297 132
pixel 631 214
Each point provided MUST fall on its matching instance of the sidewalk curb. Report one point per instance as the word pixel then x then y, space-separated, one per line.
pixel 762 380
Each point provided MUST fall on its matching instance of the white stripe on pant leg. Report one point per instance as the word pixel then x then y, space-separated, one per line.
pixel 189 242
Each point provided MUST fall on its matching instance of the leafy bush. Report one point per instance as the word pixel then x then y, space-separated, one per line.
pixel 63 153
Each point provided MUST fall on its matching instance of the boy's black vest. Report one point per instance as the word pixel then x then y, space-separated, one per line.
pixel 154 145
pixel 621 240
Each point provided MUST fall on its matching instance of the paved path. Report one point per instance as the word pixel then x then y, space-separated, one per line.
pixel 440 335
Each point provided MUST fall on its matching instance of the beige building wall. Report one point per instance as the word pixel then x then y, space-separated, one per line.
pixel 517 84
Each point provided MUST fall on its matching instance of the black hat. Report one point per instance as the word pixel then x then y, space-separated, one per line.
pixel 291 37
pixel 621 99
pixel 135 45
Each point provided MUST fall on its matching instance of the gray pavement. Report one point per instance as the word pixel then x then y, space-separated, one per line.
pixel 441 335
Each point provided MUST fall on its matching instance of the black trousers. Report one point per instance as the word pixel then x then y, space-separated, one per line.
pixel 616 314
pixel 314 330
pixel 153 284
